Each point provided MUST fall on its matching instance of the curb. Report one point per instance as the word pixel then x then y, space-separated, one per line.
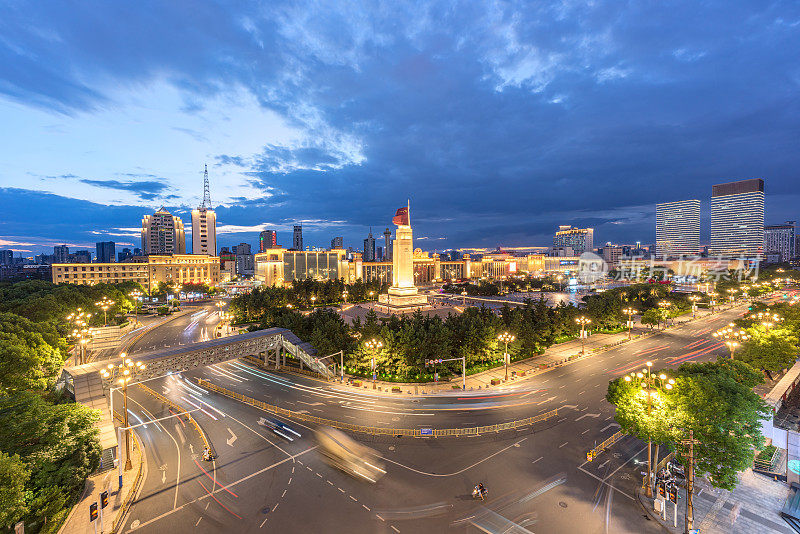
pixel 650 512
pixel 123 510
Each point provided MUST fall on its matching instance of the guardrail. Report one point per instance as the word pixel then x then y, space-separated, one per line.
pixel 592 454
pixel 117 523
pixel 377 431
pixel 180 409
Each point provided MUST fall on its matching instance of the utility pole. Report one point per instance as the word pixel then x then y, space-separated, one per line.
pixel 690 483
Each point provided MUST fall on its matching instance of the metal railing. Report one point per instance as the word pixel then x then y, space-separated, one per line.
pixel 592 454
pixel 182 411
pixel 378 431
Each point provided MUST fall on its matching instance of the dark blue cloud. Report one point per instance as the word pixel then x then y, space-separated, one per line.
pixel 505 119
pixel 146 190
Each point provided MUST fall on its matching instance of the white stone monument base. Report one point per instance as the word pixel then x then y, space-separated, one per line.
pixel 399 302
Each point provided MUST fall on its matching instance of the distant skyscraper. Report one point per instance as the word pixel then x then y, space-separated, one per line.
pixel 163 234
pixel 80 256
pixel 580 240
pixel 105 251
pixel 678 228
pixel 337 242
pixel 124 255
pixel 737 218
pixel 267 239
pixel 369 247
pixel 779 239
pixel 6 257
pixel 245 262
pixel 297 237
pixel 204 223
pixel 137 251
pixel 379 254
pixel 60 254
pixel 387 246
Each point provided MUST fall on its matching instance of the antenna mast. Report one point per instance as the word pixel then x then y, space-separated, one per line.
pixel 206 190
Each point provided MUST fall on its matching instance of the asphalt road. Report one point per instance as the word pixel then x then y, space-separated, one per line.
pixel 538 477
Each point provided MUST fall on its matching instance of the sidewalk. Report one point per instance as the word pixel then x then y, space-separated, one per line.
pixel 553 356
pixel 751 508
pixel 78 520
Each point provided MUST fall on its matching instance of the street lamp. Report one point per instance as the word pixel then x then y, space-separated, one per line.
pixel 732 336
pixel 648 382
pixel 506 338
pixel 344 296
pixel 373 345
pixel 464 298
pixel 768 320
pixel 664 305
pixel 81 333
pixel 104 304
pixel 313 299
pixel 123 373
pixel 135 294
pixel 694 299
pixel 712 302
pixel 583 321
pixel 630 312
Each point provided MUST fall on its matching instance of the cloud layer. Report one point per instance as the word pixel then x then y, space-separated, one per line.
pixel 499 120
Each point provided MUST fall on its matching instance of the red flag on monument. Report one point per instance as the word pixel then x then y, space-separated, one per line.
pixel 401 217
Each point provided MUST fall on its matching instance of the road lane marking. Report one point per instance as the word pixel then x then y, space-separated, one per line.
pixel 516 444
pixel 563 444
pixel 354 499
pixel 539 458
pixel 366 507
pixel 243 479
pixel 198 521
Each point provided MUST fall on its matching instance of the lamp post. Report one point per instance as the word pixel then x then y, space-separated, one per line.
pixel 712 300
pixel 694 299
pixel 104 304
pixel 344 296
pixel 313 300
pixel 630 312
pixel 373 345
pixel 664 305
pixel 464 298
pixel 731 336
pixel 506 338
pixel 123 373
pixel 135 294
pixel 583 321
pixel 81 333
pixel 648 382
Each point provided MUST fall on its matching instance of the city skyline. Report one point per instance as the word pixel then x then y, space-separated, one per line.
pixel 490 116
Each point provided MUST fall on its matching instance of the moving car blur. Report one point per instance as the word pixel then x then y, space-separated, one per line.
pixel 342 452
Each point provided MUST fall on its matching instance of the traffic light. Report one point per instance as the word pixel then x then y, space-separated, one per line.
pixel 104 499
pixel 673 494
pixel 93 511
pixel 662 491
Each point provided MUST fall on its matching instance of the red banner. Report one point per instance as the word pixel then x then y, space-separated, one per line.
pixel 401 217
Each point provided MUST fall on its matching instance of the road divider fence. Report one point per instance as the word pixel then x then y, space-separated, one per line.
pixel 592 454
pixel 178 408
pixel 377 431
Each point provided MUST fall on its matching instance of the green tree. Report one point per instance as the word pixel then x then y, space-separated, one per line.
pixel 715 401
pixel 652 316
pixel 30 354
pixel 771 351
pixel 13 478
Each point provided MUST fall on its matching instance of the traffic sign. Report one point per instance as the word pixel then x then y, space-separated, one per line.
pixel 425 431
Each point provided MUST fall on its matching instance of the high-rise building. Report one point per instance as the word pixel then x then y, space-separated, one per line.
pixel 80 256
pixel 580 240
pixel 387 246
pixel 369 247
pixel 267 239
pixel 163 234
pixel 737 218
pixel 60 254
pixel 124 255
pixel 297 237
pixel 678 228
pixel 105 251
pixel 337 242
pixel 204 223
pixel 779 240
pixel 137 251
pixel 245 261
pixel 6 257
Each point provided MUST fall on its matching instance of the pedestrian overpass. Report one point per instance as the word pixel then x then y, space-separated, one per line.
pixel 272 345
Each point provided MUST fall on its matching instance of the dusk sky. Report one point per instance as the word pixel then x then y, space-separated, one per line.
pixel 499 121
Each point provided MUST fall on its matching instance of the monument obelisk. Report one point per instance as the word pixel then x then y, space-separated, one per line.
pixel 403 293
